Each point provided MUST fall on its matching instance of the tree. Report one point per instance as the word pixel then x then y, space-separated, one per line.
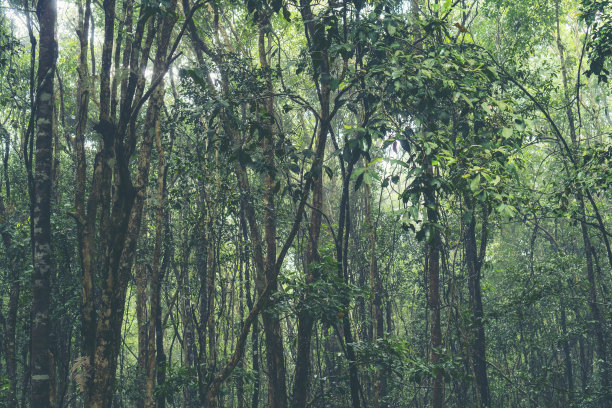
pixel 42 368
pixel 320 204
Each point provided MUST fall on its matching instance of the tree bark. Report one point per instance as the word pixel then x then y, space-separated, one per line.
pixel 85 237
pixel 114 200
pixel 600 323
pixel 569 376
pixel 13 305
pixel 474 265
pixel 376 289
pixel 41 361
pixel 306 320
pixel 155 337
pixel 433 276
pixel 275 356
pixel 143 322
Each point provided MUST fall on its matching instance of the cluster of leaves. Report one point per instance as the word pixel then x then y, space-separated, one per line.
pixel 597 166
pixel 9 50
pixel 177 377
pixel 327 296
pixel 398 359
pixel 598 15
pixel 447 110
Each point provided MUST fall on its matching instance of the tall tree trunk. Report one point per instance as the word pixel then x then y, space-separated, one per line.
pixel 84 237
pixel 41 362
pixel 569 376
pixel 211 273
pixel 155 337
pixel 600 324
pixel 376 289
pixel 346 323
pixel 142 319
pixel 305 318
pixel 249 303
pixel 121 204
pixel 474 265
pixel 13 305
pixel 189 340
pixel 433 278
pixel 277 387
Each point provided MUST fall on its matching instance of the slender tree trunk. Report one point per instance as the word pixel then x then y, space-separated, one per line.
pixel 474 264
pixel 187 312
pixel 155 338
pixel 189 341
pixel 255 366
pixel 41 361
pixel 343 274
pixel 85 237
pixel 277 387
pixel 249 302
pixel 143 324
pixel 161 362
pixel 433 278
pixel 376 289
pixel 306 320
pixel 240 248
pixel 600 324
pixel 211 274
pixel 13 306
pixel 569 376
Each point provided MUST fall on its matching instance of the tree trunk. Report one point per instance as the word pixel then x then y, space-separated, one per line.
pixel 569 376
pixel 155 338
pixel 13 306
pixel 41 362
pixel 189 341
pixel 474 264
pixel 143 324
pixel 85 237
pixel 306 321
pixel 249 303
pixel 277 387
pixel 600 324
pixel 433 277
pixel 121 204
pixel 376 289
pixel 305 318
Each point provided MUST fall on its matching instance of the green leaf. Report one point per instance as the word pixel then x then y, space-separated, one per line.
pixel 475 184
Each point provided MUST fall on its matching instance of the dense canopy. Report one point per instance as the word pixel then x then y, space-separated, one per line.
pixel 305 203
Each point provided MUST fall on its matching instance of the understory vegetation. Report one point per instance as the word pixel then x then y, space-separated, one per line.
pixel 304 203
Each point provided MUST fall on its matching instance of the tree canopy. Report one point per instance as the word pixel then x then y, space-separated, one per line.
pixel 340 203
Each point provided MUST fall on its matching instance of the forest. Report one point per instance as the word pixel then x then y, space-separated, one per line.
pixel 305 203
